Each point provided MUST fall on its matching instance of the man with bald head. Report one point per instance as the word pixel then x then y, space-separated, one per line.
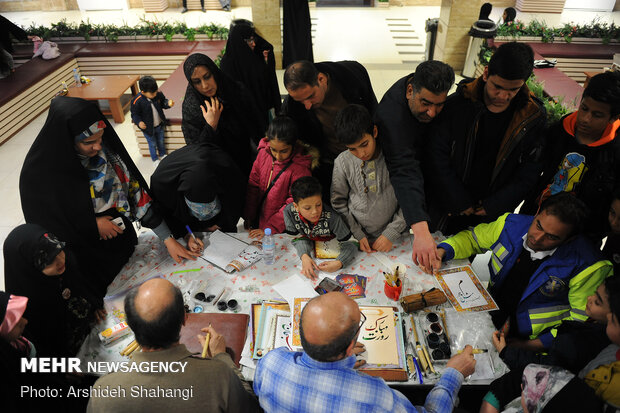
pixel 155 313
pixel 323 378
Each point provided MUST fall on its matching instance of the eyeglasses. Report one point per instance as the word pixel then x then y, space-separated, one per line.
pixel 250 40
pixel 362 321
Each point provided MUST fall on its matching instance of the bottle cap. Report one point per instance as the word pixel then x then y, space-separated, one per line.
pixel 267 231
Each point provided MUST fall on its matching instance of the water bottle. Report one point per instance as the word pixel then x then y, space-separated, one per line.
pixel 76 76
pixel 269 248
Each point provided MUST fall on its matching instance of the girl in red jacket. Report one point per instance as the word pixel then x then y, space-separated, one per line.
pixel 281 160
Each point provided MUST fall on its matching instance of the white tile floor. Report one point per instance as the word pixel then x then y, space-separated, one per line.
pixel 363 34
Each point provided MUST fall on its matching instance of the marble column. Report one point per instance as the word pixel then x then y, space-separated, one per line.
pixel 455 20
pixel 266 18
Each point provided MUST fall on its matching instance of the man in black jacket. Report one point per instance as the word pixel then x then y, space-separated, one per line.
pixel 317 92
pixel 403 119
pixel 485 153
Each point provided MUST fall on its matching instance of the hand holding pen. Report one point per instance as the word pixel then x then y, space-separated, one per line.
pixel 193 244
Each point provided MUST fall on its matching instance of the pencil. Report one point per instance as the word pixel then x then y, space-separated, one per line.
pixel 476 351
pixel 205 348
pixel 126 350
pixel 430 363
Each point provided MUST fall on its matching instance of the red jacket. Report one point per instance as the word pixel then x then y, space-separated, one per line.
pixel 303 159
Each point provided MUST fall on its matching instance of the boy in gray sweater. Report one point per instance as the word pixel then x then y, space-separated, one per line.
pixel 361 189
pixel 308 217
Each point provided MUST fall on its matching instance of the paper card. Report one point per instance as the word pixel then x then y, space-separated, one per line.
pixel 484 368
pixel 250 255
pixel 327 249
pixel 298 306
pixel 378 334
pixel 464 290
pixel 283 331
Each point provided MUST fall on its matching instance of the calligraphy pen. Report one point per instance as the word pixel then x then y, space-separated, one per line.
pixel 419 351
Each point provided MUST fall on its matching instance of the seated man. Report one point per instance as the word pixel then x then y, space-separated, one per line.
pixel 361 188
pixel 323 378
pixel 317 92
pixel 155 313
pixel 404 118
pixel 484 153
pixel 583 155
pixel 542 269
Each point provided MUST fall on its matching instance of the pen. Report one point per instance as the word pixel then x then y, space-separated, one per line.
pixel 206 345
pixel 417 366
pixel 190 232
pixel 476 351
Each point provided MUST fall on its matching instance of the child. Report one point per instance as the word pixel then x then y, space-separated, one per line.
pixel 612 245
pixel 361 189
pixel 281 160
pixel 12 324
pixel 147 112
pixel 575 346
pixel 307 216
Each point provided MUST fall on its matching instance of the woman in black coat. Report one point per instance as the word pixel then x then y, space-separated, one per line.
pixel 220 110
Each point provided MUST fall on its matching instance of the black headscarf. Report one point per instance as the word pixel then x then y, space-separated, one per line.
pixel 240 126
pixel 198 172
pixel 297 35
pixel 60 308
pixel 8 28
pixel 55 190
pixel 249 66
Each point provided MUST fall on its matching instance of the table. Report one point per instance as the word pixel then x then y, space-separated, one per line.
pixel 110 88
pixel 256 283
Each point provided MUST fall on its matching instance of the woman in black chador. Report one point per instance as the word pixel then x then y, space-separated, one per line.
pixel 78 182
pixel 220 110
pixel 249 59
pixel 62 307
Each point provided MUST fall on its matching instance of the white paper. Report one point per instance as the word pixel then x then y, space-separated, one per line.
pixel 222 249
pixel 483 367
pixel 464 290
pixel 295 286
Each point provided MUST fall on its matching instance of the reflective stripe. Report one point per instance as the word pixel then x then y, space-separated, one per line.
pixel 500 251
pixel 579 311
pixel 473 234
pixel 552 319
pixel 548 309
pixel 496 265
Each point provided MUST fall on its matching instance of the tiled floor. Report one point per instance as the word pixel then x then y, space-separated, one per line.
pixel 389 42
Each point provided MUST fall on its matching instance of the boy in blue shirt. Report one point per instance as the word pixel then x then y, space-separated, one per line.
pixel 147 111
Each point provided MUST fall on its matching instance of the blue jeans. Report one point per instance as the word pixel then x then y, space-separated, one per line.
pixel 156 142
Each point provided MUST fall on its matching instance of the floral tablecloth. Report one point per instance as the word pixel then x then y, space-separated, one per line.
pixel 256 283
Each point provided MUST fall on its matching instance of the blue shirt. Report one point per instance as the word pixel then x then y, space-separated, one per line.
pixel 287 381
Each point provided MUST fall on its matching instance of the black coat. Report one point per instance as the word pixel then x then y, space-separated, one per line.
pixel 55 190
pixel 250 68
pixel 141 110
pixel 597 184
pixel 296 32
pixel 451 149
pixel 403 139
pixel 198 172
pixel 240 126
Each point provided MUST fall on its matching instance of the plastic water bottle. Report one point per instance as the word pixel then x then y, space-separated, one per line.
pixel 76 76
pixel 269 247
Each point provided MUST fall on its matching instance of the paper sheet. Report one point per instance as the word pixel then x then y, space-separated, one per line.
pixel 464 290
pixel 379 336
pixel 295 286
pixel 222 249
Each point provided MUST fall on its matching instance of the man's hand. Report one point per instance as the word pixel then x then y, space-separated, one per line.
pixel 382 244
pixel 424 253
pixel 213 112
pixel 357 349
pixel 464 362
pixel 194 244
pixel 178 251
pixel 107 228
pixel 217 342
pixel 142 125
pixel 308 267
pixel 330 266
pixel 480 211
pixel 499 341
pixel 257 233
pixel 440 253
pixel 365 245
pixel 468 211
